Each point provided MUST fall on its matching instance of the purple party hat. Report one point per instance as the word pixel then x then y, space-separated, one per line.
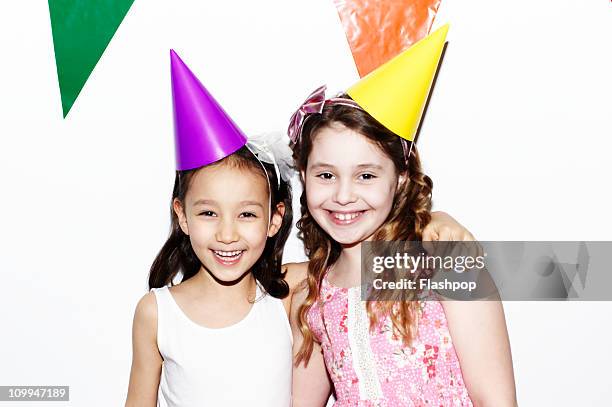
pixel 203 132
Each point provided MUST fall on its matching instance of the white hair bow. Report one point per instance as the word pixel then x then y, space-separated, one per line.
pixel 273 148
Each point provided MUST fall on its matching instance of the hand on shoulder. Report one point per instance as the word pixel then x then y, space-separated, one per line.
pixel 444 227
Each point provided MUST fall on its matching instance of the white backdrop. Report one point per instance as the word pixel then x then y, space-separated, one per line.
pixel 517 140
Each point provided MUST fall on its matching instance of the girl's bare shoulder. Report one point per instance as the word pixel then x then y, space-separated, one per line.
pixel 145 316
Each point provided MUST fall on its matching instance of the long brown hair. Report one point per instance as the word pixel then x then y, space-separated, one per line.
pixel 410 212
pixel 177 255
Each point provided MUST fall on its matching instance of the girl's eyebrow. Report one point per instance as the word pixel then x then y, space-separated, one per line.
pixel 213 202
pixel 370 165
pixel 247 203
pixel 321 165
pixel 204 202
pixel 359 167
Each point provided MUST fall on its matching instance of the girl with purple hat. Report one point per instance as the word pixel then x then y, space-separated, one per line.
pixel 196 343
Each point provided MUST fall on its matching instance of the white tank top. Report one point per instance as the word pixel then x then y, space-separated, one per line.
pixel 245 364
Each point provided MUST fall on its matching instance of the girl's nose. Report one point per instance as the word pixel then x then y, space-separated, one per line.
pixel 227 232
pixel 344 193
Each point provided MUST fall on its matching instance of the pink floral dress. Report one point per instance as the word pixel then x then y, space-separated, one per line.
pixel 375 369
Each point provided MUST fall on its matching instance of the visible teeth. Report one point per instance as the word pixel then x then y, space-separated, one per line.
pixel 346 216
pixel 228 254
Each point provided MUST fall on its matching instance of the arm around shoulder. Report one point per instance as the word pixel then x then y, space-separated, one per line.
pixel 479 334
pixel 295 276
pixel 146 359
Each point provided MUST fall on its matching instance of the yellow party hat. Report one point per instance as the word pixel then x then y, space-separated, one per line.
pixel 395 94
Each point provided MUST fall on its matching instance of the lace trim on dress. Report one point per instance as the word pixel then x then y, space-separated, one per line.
pixel 364 362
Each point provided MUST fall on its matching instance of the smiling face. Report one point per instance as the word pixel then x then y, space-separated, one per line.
pixel 350 184
pixel 225 214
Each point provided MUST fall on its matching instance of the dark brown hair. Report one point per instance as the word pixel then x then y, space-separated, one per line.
pixel 409 215
pixel 177 255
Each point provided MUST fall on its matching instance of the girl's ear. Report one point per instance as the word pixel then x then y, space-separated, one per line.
pixel 277 219
pixel 177 205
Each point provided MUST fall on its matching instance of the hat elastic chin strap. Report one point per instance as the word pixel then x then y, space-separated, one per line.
pixel 407 149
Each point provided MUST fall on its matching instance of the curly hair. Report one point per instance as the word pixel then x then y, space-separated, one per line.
pixel 410 213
